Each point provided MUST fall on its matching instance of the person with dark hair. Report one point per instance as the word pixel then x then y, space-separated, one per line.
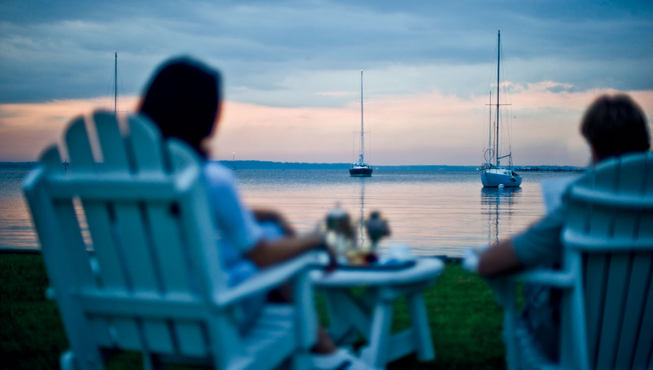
pixel 183 100
pixel 612 126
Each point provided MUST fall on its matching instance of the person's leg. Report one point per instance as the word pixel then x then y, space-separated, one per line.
pixel 324 344
pixel 326 354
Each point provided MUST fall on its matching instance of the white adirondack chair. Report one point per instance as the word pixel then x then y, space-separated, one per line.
pixel 607 303
pixel 151 278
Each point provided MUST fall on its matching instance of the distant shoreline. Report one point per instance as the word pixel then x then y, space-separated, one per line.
pixel 270 165
pixel 549 169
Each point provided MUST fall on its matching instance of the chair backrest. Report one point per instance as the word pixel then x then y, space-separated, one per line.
pixel 145 274
pixel 608 239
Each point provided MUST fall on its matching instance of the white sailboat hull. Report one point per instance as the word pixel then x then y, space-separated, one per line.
pixel 360 170
pixel 500 177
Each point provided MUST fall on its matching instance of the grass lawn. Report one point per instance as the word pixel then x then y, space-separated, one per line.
pixel 465 321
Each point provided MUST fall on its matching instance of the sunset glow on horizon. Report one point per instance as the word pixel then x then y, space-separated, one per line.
pixel 425 129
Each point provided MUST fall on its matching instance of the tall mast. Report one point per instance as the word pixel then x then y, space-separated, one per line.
pixel 115 82
pixel 362 157
pixel 489 136
pixel 496 152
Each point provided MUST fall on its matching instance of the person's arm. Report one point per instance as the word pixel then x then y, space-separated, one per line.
pixel 266 253
pixel 499 258
pixel 264 214
pixel 539 245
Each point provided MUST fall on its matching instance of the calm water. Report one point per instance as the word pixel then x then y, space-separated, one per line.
pixel 433 211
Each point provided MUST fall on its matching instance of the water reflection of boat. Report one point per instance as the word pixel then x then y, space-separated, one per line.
pixel 361 223
pixel 498 203
pixel 496 193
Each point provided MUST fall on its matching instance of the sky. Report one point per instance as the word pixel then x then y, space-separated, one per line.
pixel 291 73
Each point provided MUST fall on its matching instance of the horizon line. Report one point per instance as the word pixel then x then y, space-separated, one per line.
pixel 346 163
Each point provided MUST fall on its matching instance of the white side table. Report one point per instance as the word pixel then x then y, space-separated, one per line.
pixel 371 314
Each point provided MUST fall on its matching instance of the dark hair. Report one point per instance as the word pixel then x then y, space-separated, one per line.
pixel 183 99
pixel 615 125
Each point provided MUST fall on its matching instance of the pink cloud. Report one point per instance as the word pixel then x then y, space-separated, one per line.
pixel 28 128
pixel 422 128
pixel 429 128
pixel 335 93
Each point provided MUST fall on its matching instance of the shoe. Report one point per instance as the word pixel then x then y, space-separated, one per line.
pixel 339 360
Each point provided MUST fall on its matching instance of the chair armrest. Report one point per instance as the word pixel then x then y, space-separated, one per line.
pixel 558 279
pixel 504 286
pixel 267 279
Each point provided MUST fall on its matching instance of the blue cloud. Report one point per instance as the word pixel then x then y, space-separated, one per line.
pixel 274 53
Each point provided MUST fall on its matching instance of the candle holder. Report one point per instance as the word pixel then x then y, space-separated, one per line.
pixel 376 228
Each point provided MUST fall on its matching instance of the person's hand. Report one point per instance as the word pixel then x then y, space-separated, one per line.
pixel 320 230
pixel 471 258
pixel 285 225
pixel 333 261
pixel 261 215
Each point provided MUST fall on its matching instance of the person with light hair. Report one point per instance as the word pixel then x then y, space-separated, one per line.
pixel 613 125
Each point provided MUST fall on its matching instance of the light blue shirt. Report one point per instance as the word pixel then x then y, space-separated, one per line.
pixel 237 228
pixel 238 232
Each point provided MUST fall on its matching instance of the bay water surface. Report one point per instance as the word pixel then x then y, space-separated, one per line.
pixel 435 211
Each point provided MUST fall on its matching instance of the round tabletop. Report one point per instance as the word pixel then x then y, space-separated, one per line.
pixel 423 269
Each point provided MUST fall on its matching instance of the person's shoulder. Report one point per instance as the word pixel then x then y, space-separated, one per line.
pixel 217 174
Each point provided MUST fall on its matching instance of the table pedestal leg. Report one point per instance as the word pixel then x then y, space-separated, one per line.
pixel 376 353
pixel 420 327
pixel 346 317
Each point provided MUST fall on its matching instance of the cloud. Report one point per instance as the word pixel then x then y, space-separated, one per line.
pixel 57 50
pixel 26 129
pixel 429 128
pixel 551 85
pixel 424 128
pixel 335 93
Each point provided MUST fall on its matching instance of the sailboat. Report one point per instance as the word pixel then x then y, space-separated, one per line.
pixel 492 173
pixel 361 168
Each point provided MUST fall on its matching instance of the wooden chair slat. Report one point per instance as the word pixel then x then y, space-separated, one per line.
pixel 595 280
pixel 633 310
pixel 644 346
pixel 114 152
pixel 145 144
pixel 132 232
pixel 617 279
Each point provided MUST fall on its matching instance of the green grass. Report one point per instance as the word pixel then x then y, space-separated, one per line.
pixel 465 321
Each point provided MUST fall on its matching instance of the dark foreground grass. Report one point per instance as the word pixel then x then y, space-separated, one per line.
pixel 465 321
